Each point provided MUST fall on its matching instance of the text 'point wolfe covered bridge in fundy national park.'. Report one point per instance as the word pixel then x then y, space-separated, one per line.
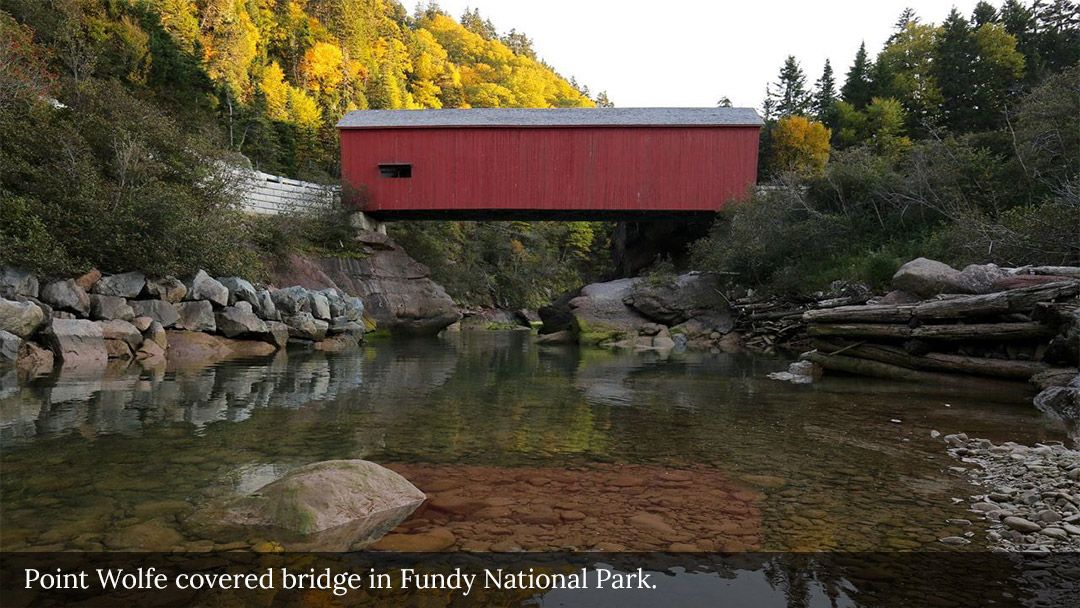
pixel 567 163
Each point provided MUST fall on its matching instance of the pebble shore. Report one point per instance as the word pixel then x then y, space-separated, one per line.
pixel 1033 502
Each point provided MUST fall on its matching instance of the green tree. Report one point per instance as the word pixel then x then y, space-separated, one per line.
pixel 858 89
pixel 909 57
pixel 825 95
pixel 788 93
pixel 954 58
pixel 983 13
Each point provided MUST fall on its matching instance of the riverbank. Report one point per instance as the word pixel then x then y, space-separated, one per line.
pixel 89 320
pixel 1033 502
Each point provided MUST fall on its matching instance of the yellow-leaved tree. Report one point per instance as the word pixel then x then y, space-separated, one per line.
pixel 799 144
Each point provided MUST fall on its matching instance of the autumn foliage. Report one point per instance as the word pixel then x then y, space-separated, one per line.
pixel 800 145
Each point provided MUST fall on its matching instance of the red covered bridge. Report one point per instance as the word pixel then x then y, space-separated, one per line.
pixel 607 163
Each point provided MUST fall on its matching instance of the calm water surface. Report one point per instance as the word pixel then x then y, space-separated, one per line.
pixel 612 443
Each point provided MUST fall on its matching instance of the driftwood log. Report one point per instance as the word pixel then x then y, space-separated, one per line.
pixel 1003 302
pixel 975 331
pixel 936 362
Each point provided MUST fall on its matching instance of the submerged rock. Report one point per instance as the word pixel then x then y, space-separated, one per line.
pixel 334 505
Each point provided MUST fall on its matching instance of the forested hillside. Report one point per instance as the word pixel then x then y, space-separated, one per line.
pixel 278 74
pixel 113 111
pixel 960 140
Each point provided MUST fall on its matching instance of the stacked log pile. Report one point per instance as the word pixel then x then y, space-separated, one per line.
pixel 1012 334
pixel 766 323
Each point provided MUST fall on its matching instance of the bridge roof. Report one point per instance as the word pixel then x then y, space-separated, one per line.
pixel 551 117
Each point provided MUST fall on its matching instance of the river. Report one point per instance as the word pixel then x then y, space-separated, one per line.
pixel 518 447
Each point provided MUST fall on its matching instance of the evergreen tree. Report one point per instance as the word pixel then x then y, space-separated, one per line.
pixel 790 97
pixel 1019 21
pixel 602 100
pixel 954 61
pixel 476 24
pixel 825 94
pixel 857 89
pixel 724 102
pixel 907 17
pixel 984 13
pixel 1059 32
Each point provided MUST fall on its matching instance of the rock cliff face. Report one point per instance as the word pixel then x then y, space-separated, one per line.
pixel 397 290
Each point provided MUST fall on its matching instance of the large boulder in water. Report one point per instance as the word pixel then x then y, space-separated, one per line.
pixel 600 315
pixel 397 291
pixel 679 299
pixel 77 342
pixel 335 505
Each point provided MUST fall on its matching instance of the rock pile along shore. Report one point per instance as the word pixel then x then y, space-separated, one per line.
pixel 1034 498
pixel 93 318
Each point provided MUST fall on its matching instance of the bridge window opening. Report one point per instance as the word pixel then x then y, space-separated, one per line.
pixel 395 170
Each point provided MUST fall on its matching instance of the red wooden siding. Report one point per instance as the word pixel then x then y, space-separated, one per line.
pixel 552 168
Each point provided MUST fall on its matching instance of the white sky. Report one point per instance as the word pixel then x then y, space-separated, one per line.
pixel 692 52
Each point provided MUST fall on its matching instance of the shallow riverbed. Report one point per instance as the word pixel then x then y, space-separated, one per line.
pixel 517 446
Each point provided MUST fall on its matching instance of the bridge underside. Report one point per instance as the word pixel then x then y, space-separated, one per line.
pixel 539 215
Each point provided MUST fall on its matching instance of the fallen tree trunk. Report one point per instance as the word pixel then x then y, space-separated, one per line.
pixel 938 362
pixel 877 369
pixel 1002 302
pixel 974 331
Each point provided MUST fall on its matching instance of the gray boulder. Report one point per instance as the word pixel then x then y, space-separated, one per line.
pixel 306 327
pixel 267 309
pixel 240 290
pixel 15 282
pixel 342 325
pixel 599 315
pixel 291 301
pixel 234 321
pixel 20 318
pixel 196 316
pixel 159 310
pixel 336 301
pixel 337 505
pixel 122 331
pixel 320 306
pixel 1062 402
pixel 679 299
pixel 354 309
pixel 277 333
pixel 66 295
pixel 204 287
pixel 126 285
pixel 156 333
pixel 397 290
pixel 170 289
pixel 77 341
pixel 927 278
pixel 107 308
pixel 982 278
pixel 9 347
